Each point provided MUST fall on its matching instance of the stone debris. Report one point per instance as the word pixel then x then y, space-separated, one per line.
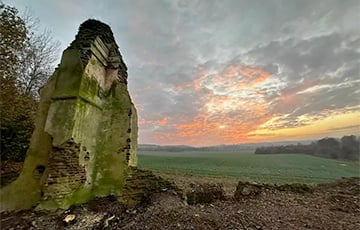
pixel 142 184
pixel 106 223
pixel 204 193
pixel 246 189
pixel 69 218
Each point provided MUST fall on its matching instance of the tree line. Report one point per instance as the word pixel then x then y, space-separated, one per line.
pixel 27 60
pixel 347 147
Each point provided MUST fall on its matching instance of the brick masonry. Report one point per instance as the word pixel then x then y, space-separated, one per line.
pixel 65 173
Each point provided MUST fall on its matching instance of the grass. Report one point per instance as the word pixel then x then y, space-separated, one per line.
pixel 274 168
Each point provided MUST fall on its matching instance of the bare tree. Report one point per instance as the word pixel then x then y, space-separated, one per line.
pixel 37 59
pixel 27 60
pixel 13 39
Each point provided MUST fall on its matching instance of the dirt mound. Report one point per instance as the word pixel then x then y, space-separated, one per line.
pixel 352 185
pixel 246 190
pixel 343 195
pixel 142 184
pixel 327 206
pixel 204 193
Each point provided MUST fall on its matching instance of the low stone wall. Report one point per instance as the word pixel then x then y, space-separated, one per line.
pixel 141 185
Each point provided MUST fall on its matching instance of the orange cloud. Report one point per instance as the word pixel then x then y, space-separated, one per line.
pixel 226 117
pixel 257 75
pixel 287 100
pixel 162 122
pixel 164 138
pixel 192 129
pixel 234 78
pixel 141 121
pixel 221 127
pixel 235 109
pixel 326 111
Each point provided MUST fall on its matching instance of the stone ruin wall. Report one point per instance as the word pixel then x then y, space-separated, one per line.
pixel 86 130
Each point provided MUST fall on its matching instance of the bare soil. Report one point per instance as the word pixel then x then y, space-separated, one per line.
pixel 327 206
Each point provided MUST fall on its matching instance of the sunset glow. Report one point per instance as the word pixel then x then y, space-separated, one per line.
pixel 228 72
pixel 241 103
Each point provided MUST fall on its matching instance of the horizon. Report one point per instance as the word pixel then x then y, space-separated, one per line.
pixel 253 143
pixel 207 73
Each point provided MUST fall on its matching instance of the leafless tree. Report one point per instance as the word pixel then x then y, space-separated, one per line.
pixel 37 59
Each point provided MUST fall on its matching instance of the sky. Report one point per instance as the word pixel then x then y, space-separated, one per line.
pixel 209 72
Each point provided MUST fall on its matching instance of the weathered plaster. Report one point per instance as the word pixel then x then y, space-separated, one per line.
pixel 86 129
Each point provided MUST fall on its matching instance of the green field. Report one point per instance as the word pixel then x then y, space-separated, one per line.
pixel 274 168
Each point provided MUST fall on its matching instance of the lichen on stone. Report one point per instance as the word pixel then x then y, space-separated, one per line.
pixel 85 138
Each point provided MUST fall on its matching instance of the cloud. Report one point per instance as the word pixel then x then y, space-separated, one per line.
pixel 347 127
pixel 213 72
pixel 242 70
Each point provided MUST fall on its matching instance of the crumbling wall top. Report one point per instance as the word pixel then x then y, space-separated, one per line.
pixel 89 32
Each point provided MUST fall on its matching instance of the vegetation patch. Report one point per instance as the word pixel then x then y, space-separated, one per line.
pixel 296 188
pixel 260 168
pixel 251 190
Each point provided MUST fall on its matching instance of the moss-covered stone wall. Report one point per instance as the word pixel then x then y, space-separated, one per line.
pixel 133 137
pixel 86 129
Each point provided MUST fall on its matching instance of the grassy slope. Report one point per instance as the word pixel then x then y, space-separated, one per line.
pixel 275 168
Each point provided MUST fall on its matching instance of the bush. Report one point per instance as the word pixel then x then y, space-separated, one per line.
pixel 17 113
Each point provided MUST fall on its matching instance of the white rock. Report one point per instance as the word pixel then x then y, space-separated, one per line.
pixel 69 218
